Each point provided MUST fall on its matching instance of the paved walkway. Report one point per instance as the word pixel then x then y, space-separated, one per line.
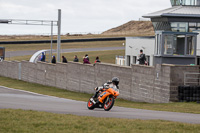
pixel 16 99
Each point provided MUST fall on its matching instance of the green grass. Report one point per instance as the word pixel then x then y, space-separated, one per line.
pixel 23 47
pixel 105 56
pixel 20 121
pixel 173 107
pixel 19 58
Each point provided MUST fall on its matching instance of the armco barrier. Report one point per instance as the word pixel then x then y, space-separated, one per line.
pixel 157 84
pixel 65 41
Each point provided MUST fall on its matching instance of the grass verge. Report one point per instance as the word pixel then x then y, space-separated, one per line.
pixel 105 56
pixel 21 121
pixel 23 47
pixel 52 91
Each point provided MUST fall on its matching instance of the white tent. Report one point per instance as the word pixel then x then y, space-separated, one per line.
pixel 36 56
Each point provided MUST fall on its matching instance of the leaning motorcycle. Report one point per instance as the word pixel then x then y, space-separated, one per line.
pixel 106 99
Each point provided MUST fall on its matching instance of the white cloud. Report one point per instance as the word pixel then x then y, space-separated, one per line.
pixel 78 15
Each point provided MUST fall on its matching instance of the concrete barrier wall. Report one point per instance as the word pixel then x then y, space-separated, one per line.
pixel 10 69
pixel 177 78
pixel 157 84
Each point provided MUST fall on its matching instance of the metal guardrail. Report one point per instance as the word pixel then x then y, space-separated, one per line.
pixel 65 41
pixel 191 78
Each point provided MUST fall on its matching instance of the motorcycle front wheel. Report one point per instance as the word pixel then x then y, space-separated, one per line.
pixel 90 105
pixel 109 103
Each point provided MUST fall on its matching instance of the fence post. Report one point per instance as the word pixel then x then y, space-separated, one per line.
pixel 19 71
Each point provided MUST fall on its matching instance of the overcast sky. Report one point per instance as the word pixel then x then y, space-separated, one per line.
pixel 77 15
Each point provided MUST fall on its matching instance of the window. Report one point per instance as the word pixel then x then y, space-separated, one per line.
pixel 179 26
pixel 128 60
pixel 198 60
pixel 188 2
pixel 176 2
pixel 198 2
pixel 193 26
pixel 172 2
pixel 185 2
pixel 198 26
pixel 174 26
pixel 179 45
pixel 191 2
pixel 158 43
pixel 134 59
pixel 176 44
pixel 192 29
pixel 148 59
pixel 168 42
pixel 190 45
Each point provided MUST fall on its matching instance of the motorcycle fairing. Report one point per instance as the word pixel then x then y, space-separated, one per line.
pixel 103 95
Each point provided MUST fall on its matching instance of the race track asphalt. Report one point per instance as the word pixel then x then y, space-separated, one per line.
pixel 18 99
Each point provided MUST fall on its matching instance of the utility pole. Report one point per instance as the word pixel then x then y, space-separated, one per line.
pixel 59 31
pixel 51 42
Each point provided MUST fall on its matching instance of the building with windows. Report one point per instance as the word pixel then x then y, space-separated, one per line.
pixel 176 35
pixel 133 46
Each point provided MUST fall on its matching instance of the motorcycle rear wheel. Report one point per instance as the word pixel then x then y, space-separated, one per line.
pixel 109 103
pixel 90 105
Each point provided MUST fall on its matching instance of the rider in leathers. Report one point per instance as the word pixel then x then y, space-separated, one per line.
pixel 113 84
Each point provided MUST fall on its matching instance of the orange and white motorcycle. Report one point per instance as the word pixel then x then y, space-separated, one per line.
pixel 105 99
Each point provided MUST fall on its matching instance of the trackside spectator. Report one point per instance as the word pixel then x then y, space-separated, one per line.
pixel 97 60
pixel 43 57
pixel 86 56
pixel 53 60
pixel 85 60
pixel 64 60
pixel 76 58
pixel 142 58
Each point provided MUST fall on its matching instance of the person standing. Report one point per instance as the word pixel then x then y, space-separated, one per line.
pixel 53 60
pixel 42 57
pixel 64 60
pixel 142 58
pixel 76 58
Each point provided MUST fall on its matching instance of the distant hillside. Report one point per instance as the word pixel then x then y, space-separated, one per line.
pixel 132 28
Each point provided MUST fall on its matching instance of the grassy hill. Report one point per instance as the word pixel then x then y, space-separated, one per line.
pixel 134 28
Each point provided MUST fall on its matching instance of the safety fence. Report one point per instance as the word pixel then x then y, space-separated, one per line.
pixel 191 78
